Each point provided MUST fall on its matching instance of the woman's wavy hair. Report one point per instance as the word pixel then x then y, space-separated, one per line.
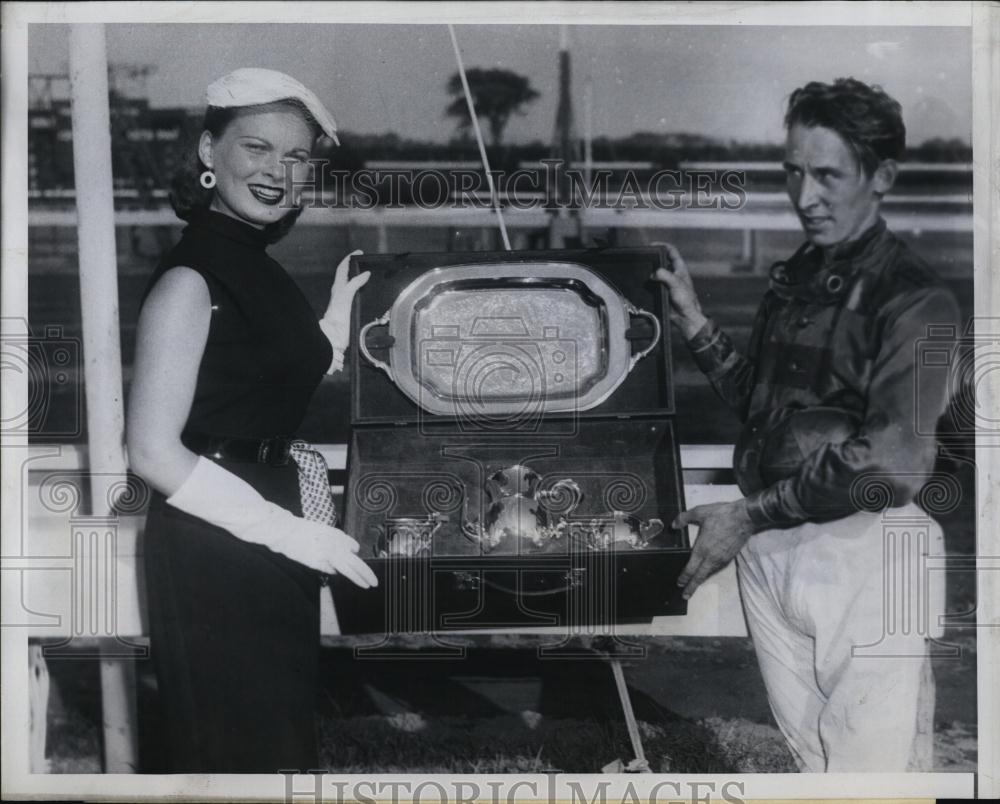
pixel 187 196
pixel 867 118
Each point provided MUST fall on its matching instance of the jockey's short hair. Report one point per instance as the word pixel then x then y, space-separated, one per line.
pixel 866 117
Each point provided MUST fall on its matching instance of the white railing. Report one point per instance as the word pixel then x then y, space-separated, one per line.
pixel 73 457
pixel 52 545
pixel 960 168
pixel 761 215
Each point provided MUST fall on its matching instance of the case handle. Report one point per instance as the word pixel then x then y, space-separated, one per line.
pixel 363 346
pixel 657 331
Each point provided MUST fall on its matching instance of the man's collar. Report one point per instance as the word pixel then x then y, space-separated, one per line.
pixel 814 277
pixel 852 249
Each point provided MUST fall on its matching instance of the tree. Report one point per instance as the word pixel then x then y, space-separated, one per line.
pixel 497 94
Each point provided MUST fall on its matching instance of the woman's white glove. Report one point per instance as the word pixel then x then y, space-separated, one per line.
pixel 336 322
pixel 225 500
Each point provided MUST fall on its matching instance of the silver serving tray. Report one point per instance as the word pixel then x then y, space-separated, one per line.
pixel 501 339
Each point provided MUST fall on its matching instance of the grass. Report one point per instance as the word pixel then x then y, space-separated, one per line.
pixel 377 744
pixel 485 721
pixel 497 712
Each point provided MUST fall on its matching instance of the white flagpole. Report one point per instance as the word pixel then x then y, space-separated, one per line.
pixel 98 260
pixel 101 347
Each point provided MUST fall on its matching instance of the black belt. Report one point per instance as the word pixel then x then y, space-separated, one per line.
pixel 272 451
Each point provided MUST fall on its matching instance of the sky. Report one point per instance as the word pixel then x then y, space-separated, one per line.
pixel 728 82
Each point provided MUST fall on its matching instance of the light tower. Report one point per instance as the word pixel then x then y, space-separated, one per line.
pixel 564 142
pixel 565 148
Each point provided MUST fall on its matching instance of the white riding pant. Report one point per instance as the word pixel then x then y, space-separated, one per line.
pixel 839 614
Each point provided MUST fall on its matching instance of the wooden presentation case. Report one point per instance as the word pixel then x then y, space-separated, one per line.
pixel 405 462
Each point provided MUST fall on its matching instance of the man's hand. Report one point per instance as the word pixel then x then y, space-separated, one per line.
pixel 723 529
pixel 685 309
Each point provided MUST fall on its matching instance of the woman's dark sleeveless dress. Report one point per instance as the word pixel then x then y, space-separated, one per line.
pixel 234 627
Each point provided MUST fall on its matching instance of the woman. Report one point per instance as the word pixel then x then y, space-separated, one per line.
pixel 240 524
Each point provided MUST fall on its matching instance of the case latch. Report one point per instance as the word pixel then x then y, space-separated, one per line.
pixel 467 581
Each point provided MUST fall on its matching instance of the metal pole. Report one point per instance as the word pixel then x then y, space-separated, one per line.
pixel 479 137
pixel 101 348
pixel 639 763
pixel 748 250
pixel 588 134
pixel 588 143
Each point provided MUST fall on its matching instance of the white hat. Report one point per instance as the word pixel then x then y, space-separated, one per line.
pixel 253 86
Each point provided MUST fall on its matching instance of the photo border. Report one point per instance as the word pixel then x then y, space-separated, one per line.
pixel 986 210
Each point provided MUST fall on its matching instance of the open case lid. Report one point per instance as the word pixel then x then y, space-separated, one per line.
pixel 503 339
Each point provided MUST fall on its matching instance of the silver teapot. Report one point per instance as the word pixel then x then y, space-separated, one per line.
pixel 519 517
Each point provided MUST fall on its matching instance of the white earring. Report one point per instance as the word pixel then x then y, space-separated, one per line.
pixel 207 179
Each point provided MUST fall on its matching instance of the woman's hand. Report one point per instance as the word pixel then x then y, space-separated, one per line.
pixel 336 322
pixel 213 493
pixel 685 309
pixel 325 549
